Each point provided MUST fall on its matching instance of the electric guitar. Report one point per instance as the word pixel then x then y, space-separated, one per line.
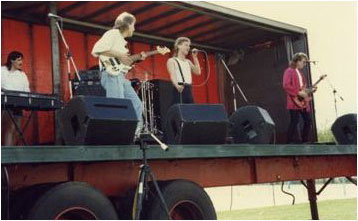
pixel 302 102
pixel 114 67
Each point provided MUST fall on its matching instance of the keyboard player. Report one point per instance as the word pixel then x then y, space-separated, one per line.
pixel 12 78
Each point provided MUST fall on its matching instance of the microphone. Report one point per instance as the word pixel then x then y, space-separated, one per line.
pixel 50 15
pixel 162 145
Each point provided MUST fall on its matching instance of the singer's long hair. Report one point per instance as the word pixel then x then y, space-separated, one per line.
pixel 178 42
pixel 296 58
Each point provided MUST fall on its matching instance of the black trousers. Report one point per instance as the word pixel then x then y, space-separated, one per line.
pixel 185 97
pixel 295 119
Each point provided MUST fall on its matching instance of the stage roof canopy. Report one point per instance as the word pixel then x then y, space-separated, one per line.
pixel 204 23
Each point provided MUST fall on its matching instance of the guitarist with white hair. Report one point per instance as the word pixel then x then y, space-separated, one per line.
pixel 115 62
pixel 113 45
pixel 295 86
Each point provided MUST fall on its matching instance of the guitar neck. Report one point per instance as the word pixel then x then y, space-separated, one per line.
pixel 137 57
pixel 315 84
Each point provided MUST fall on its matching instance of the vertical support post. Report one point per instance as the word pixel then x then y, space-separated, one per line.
pixel 312 197
pixel 220 79
pixel 56 77
pixel 309 79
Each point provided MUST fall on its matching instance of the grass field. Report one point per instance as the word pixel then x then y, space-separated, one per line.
pixel 345 209
pixel 325 135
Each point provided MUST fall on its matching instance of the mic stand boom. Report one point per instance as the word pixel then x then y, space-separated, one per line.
pixel 234 84
pixel 69 57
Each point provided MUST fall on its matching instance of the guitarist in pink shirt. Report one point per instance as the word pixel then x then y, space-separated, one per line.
pixel 295 86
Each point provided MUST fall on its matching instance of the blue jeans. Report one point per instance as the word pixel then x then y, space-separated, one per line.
pixel 120 87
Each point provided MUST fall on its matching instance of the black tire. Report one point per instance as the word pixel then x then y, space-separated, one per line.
pixel 72 200
pixel 185 200
pixel 23 199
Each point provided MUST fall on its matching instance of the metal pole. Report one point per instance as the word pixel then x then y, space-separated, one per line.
pixel 234 93
pixel 142 35
pixel 68 53
pixel 233 80
pixel 56 77
pixel 312 197
pixel 221 80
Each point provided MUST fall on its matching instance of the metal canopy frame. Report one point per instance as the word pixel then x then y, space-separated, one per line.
pixel 103 10
pixel 213 19
pixel 261 22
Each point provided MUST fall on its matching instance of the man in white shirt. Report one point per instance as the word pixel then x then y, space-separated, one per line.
pixel 180 69
pixel 112 47
pixel 12 78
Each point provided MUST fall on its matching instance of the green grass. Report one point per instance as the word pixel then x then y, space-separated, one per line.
pixel 345 209
pixel 325 136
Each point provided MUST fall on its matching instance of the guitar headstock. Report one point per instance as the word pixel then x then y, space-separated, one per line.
pixel 163 50
pixel 322 77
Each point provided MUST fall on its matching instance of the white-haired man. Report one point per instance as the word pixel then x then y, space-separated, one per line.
pixel 112 46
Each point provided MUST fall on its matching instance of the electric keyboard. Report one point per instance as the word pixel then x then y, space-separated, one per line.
pixel 29 100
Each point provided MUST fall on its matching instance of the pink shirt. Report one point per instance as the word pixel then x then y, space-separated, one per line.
pixel 291 85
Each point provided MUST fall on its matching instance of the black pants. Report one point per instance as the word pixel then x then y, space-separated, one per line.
pixel 292 129
pixel 185 97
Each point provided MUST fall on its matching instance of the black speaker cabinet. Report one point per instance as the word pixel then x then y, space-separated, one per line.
pixel 251 124
pixel 344 129
pixel 88 88
pixel 90 84
pixel 162 100
pixel 91 120
pixel 196 124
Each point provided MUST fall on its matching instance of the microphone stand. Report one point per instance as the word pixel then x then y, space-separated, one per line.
pixel 145 173
pixel 234 84
pixel 335 94
pixel 69 58
pixel 334 91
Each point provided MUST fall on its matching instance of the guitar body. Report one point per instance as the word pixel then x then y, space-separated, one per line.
pixel 301 102
pixel 114 66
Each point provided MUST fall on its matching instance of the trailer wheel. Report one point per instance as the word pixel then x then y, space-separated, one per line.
pixel 19 200
pixel 72 200
pixel 185 200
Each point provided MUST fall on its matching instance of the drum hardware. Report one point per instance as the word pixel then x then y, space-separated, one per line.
pixel 146 91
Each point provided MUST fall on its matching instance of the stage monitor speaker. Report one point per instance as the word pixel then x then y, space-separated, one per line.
pixel 196 124
pixel 91 120
pixel 251 124
pixel 344 129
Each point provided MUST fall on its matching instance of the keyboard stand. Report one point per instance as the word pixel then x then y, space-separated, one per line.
pixel 18 128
